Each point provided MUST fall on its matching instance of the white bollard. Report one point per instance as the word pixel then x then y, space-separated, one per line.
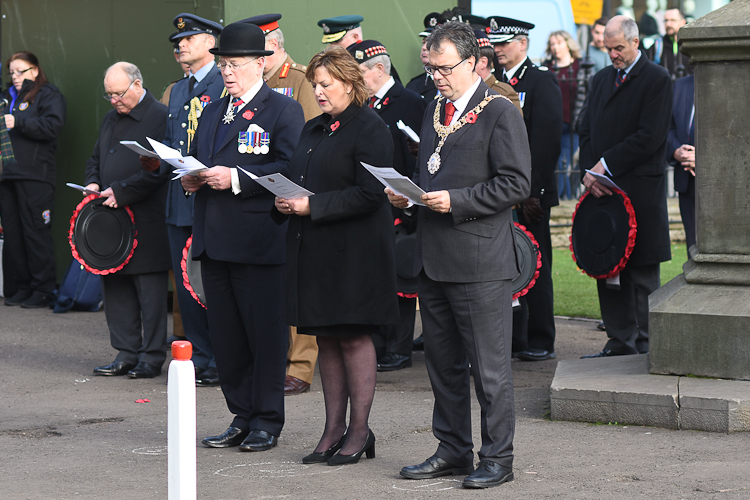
pixel 181 430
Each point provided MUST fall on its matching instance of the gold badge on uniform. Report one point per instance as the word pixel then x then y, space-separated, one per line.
pixel 23 106
pixel 180 23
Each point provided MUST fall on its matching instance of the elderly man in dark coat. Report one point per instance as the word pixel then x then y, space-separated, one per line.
pixel 623 134
pixel 135 297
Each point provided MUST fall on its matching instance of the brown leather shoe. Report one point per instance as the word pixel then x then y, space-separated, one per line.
pixel 293 385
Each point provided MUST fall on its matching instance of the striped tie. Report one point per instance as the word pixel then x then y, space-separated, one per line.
pixel 621 75
pixel 372 102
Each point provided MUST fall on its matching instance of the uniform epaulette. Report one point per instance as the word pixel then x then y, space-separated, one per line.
pixel 284 70
pixel 542 68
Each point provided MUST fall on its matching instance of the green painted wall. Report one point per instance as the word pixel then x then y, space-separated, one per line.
pixel 75 41
pixel 392 22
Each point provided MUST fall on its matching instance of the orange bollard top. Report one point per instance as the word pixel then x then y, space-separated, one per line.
pixel 182 350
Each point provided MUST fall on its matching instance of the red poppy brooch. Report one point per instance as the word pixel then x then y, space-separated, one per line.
pixel 248 115
pixel 471 117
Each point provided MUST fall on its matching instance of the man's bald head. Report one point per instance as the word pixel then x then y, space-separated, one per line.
pixel 123 84
pixel 621 25
pixel 621 41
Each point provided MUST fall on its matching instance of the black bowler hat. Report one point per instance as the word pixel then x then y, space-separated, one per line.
pixel 603 236
pixel 431 21
pixel 241 39
pixel 501 29
pixel 334 28
pixel 190 24
pixel 102 238
pixel 366 50
pixel 266 22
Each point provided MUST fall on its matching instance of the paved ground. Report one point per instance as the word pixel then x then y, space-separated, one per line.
pixel 66 434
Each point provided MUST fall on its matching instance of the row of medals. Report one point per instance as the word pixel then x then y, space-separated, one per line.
pixel 253 142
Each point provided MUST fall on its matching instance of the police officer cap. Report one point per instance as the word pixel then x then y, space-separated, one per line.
pixel 431 21
pixel 266 22
pixel 190 24
pixel 476 22
pixel 366 50
pixel 334 28
pixel 482 39
pixel 241 39
pixel 501 29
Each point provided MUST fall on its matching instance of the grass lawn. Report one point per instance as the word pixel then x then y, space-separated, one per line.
pixel 575 292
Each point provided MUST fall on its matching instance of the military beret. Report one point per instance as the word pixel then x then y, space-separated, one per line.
pixel 366 50
pixel 334 28
pixel 190 24
pixel 266 22
pixel 501 29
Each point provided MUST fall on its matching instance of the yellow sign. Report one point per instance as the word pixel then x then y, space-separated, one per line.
pixel 586 11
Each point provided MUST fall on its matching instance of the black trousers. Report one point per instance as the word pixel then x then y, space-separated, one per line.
pixel 249 336
pixel 28 251
pixel 534 321
pixel 687 212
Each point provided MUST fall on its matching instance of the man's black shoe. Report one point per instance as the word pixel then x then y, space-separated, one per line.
pixel 487 475
pixel 259 440
pixel 601 326
pixel 418 344
pixel 18 297
pixel 604 354
pixel 434 467
pixel 207 378
pixel 37 300
pixel 114 369
pixel 535 355
pixel 391 362
pixel 230 437
pixel 144 370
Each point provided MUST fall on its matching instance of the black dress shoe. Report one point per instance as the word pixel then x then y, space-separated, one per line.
pixel 601 326
pixel 487 475
pixel 392 362
pixel 604 354
pixel 230 437
pixel 18 297
pixel 113 369
pixel 323 456
pixel 367 448
pixel 434 467
pixel 259 440
pixel 536 355
pixel 37 300
pixel 418 344
pixel 207 378
pixel 144 370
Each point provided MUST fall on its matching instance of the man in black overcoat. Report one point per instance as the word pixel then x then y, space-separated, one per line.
pixel 541 102
pixel 135 297
pixel 623 134
pixel 393 103
pixel 241 249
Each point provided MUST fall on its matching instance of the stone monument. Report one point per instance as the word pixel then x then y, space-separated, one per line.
pixel 699 322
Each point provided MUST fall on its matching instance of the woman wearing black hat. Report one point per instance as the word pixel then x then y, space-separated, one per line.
pixel 341 278
pixel 27 182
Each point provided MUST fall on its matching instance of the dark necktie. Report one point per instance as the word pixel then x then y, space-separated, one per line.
pixel 372 102
pixel 505 77
pixel 191 83
pixel 450 109
pixel 620 77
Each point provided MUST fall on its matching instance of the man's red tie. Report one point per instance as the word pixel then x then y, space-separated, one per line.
pixel 449 110
pixel 373 99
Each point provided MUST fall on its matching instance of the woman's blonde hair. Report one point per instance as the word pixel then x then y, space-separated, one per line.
pixel 573 47
pixel 343 67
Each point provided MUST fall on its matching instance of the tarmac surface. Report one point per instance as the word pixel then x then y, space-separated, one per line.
pixel 65 433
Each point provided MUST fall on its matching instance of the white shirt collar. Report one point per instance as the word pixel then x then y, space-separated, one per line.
pixel 249 95
pixel 385 88
pixel 510 73
pixel 463 101
pixel 627 70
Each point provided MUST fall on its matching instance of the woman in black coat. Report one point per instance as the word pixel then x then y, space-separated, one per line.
pixel 341 279
pixel 27 182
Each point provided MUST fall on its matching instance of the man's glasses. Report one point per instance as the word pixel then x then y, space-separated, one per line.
pixel 117 97
pixel 443 70
pixel 233 66
pixel 21 72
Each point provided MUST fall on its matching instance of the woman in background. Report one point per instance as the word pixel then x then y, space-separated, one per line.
pixel 27 182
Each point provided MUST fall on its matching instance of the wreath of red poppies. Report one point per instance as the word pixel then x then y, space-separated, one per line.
pixel 185 278
pixel 632 225
pixel 74 250
pixel 531 284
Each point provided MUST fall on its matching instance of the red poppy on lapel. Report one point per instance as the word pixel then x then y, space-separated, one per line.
pixel 385 102
pixel 248 115
pixel 471 117
pixel 334 126
pixel 513 80
pixel 206 98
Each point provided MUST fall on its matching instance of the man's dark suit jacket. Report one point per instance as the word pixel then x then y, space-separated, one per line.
pixel 238 228
pixel 679 130
pixel 486 174
pixel 113 165
pixel 628 127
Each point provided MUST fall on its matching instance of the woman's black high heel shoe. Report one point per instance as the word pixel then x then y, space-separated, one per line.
pixel 323 456
pixel 368 449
